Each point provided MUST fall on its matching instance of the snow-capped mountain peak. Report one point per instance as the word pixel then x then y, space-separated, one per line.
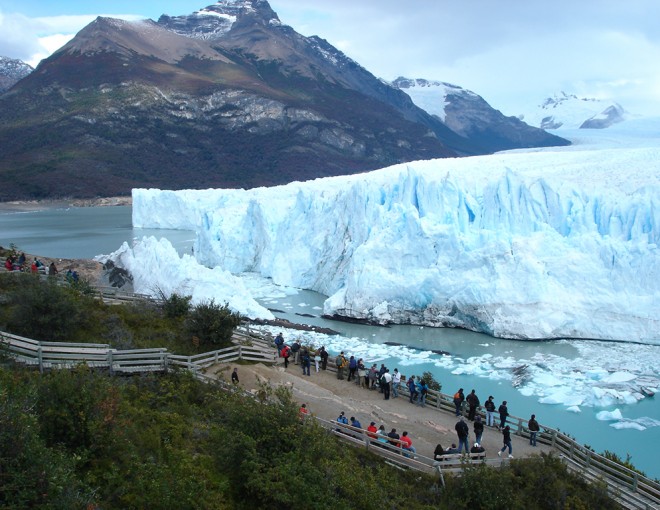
pixel 431 95
pixel 467 113
pixel 11 71
pixel 217 19
pixel 565 110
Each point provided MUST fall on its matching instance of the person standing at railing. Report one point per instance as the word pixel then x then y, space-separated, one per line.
pixel 396 382
pixel 317 360
pixel 361 373
pixel 423 392
pixel 534 428
pixel 473 402
pixel 341 363
pixel 458 401
pixel 324 358
pixel 352 368
pixel 385 382
pixel 490 412
pixel 295 350
pixel 305 360
pixel 412 389
pixel 504 412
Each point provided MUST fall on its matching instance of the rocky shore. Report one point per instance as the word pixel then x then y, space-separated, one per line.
pixel 40 205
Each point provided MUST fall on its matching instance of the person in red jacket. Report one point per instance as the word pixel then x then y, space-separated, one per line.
pixel 372 430
pixel 285 353
pixel 406 443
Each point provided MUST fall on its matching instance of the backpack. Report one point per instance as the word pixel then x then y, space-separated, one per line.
pixel 382 380
pixel 338 361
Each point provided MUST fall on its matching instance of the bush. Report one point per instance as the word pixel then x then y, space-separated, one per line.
pixel 212 323
pixel 45 311
pixel 176 306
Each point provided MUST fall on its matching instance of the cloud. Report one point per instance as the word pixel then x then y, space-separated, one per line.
pixel 32 39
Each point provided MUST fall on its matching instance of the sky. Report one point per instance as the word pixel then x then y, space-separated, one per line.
pixel 514 53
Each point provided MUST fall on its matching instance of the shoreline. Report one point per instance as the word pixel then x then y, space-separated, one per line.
pixel 42 205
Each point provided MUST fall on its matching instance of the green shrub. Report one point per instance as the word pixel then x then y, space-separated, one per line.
pixel 212 323
pixel 176 306
pixel 45 311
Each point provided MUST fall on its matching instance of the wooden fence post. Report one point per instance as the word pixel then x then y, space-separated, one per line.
pixel 110 363
pixel 40 358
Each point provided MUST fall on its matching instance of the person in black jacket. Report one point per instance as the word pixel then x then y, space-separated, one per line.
pixel 504 412
pixel 490 412
pixel 462 431
pixel 506 439
pixel 533 427
pixel 478 429
pixel 473 402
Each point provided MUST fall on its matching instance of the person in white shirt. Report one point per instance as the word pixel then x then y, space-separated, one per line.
pixel 396 382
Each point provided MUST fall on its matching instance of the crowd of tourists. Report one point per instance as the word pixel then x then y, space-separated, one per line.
pixel 389 384
pixel 19 262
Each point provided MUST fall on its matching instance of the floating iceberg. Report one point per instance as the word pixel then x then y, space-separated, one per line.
pixel 609 415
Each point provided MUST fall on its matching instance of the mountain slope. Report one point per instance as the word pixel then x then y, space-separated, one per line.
pixel 469 115
pixel 224 97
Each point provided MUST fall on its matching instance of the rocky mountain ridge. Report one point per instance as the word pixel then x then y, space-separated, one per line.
pixel 225 97
pixel 468 114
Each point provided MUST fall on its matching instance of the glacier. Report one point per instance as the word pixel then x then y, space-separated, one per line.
pixel 526 244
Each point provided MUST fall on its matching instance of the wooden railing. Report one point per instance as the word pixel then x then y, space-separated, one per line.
pixel 630 488
pixel 48 355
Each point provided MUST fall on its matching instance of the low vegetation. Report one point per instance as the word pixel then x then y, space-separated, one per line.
pixel 43 309
pixel 81 438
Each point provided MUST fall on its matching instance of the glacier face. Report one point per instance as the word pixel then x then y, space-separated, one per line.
pixel 543 244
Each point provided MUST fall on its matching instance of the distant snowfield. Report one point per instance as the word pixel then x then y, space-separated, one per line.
pixel 544 243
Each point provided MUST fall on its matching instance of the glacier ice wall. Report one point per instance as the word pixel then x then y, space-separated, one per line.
pixel 546 244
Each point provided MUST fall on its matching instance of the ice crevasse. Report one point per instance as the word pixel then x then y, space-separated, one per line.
pixel 527 245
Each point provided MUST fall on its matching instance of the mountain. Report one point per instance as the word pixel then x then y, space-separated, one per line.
pixel 469 115
pixel 12 71
pixel 572 112
pixel 225 97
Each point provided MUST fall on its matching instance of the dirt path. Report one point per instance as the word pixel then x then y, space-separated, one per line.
pixel 326 397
